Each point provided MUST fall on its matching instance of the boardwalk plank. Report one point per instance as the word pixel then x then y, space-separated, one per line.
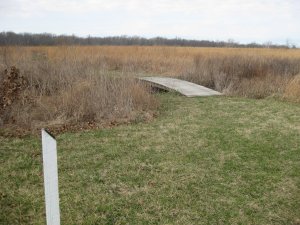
pixel 184 87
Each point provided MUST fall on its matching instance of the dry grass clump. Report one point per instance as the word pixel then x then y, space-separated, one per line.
pixel 292 90
pixel 69 90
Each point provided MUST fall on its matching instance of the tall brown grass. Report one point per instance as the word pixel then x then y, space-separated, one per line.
pixel 65 87
pixel 255 76
pixel 71 85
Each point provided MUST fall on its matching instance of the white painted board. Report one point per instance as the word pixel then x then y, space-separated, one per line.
pixel 50 178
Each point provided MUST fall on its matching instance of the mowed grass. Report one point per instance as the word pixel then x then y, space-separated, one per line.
pixel 212 160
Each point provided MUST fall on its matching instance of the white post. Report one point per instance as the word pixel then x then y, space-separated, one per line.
pixel 50 178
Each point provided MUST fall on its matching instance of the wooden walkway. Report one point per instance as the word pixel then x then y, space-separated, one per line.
pixel 184 87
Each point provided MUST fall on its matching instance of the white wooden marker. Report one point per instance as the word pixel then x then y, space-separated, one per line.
pixel 50 178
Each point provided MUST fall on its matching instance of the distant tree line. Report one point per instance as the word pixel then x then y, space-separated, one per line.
pixel 29 39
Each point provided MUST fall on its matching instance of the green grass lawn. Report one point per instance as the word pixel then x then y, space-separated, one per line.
pixel 212 160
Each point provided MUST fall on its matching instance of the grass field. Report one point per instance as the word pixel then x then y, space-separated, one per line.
pixel 78 86
pixel 214 160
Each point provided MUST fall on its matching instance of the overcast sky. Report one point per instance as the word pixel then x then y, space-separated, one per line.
pixel 242 20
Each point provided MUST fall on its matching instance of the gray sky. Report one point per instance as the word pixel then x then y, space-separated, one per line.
pixel 241 20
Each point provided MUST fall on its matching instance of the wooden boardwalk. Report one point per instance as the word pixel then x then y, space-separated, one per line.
pixel 184 87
